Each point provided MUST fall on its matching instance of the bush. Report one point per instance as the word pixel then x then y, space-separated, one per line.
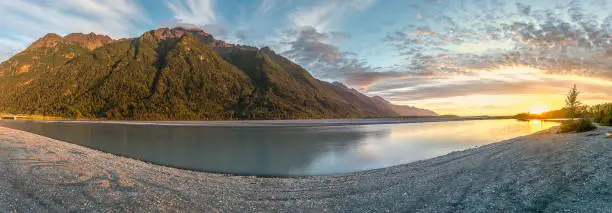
pixel 606 119
pixel 580 125
pixel 601 114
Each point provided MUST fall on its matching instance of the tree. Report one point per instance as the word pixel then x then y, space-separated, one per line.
pixel 572 103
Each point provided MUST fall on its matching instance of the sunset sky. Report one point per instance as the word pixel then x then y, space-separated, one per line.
pixel 494 57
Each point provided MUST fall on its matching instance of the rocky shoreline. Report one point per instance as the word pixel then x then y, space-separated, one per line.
pixel 542 172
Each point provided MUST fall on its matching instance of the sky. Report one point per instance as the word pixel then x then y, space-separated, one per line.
pixel 463 57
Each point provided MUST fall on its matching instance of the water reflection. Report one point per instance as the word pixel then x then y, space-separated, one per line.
pixel 406 143
pixel 283 150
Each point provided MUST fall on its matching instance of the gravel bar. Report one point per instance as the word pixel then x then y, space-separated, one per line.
pixel 544 172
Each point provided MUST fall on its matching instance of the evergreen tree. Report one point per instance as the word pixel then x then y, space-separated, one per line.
pixel 572 103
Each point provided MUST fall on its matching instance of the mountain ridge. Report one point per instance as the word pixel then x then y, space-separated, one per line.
pixel 171 74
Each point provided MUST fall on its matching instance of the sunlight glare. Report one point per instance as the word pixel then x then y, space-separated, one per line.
pixel 538 109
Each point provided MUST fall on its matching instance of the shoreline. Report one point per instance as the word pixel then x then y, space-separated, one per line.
pixel 539 172
pixel 280 123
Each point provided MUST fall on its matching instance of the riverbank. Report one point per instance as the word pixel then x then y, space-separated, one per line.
pixel 541 172
pixel 4 116
pixel 287 123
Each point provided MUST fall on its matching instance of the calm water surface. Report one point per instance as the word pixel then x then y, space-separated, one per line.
pixel 283 151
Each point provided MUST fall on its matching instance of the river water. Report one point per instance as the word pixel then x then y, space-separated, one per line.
pixel 283 150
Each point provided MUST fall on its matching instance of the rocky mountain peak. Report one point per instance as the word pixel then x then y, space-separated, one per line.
pixel 163 34
pixel 49 40
pixel 178 32
pixel 90 41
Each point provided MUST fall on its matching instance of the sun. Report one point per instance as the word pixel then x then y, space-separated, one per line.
pixel 538 109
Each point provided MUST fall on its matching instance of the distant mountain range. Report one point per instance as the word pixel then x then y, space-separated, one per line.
pixel 173 74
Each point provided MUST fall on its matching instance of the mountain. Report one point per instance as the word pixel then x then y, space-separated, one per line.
pixel 403 110
pixel 90 41
pixel 171 74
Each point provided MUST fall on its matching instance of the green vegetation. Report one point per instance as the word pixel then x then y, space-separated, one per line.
pixel 28 117
pixel 579 125
pixel 572 103
pixel 561 113
pixel 170 74
pixel 601 113
pixel 572 107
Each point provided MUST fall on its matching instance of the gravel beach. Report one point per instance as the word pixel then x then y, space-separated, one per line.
pixel 544 172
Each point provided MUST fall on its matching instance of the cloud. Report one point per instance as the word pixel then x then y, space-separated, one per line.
pixel 326 13
pixel 266 5
pixel 481 87
pixel 318 17
pixel 551 38
pixel 26 21
pixel 495 97
pixel 339 36
pixel 364 79
pixel 566 41
pixel 113 9
pixel 311 42
pixel 10 46
pixel 312 50
pixel 309 48
pixel 33 19
pixel 241 35
pixel 197 14
pixel 200 12
pixel 507 81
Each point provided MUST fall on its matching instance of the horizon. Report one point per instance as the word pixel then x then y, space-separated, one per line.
pixel 476 58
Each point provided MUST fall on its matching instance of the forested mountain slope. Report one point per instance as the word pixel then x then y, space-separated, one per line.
pixel 170 74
